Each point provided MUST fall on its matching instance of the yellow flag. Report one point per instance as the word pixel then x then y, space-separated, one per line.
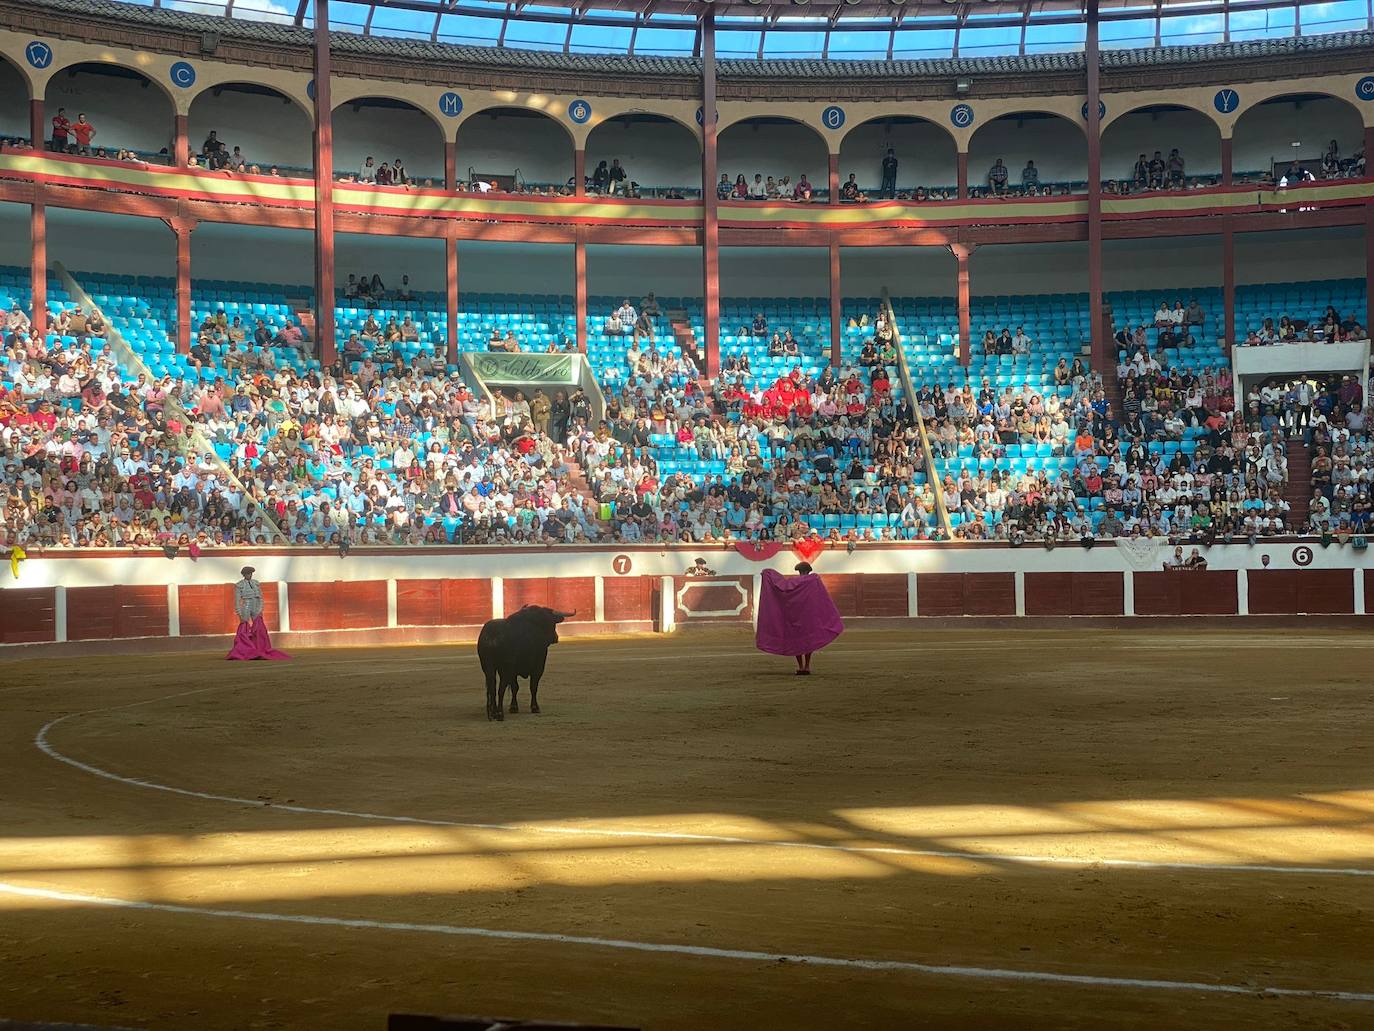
pixel 17 555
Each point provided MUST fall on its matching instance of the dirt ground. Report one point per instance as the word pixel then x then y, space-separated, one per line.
pixel 939 829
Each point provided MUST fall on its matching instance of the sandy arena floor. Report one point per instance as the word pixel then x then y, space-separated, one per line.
pixel 940 829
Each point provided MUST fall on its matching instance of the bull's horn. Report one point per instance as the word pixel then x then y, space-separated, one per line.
pixel 566 615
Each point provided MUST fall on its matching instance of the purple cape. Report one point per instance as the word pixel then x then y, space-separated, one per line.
pixel 796 615
pixel 252 642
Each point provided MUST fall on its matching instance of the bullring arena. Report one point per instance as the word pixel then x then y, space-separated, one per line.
pixel 922 446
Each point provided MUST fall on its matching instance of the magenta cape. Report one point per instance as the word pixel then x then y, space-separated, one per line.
pixel 796 615
pixel 252 642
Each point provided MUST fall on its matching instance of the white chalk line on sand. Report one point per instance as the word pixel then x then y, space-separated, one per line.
pixel 42 742
pixel 698 951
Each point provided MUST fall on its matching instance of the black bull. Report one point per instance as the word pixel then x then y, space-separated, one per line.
pixel 514 647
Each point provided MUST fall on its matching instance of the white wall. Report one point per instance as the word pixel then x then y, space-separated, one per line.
pixel 1182 262
pixel 14 102
pixel 1049 268
pixel 1058 147
pixel 1142 132
pixel 634 271
pixel 1298 256
pixel 387 133
pixel 125 112
pixel 269 130
pixel 774 272
pixel 653 153
pixel 776 149
pixel 499 142
pixel 926 154
pixel 905 271
pixel 1267 133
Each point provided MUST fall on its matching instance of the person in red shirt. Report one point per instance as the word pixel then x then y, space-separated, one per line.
pixel 84 132
pixel 61 129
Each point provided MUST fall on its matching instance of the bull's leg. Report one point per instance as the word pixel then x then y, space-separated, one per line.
pixel 514 690
pixel 534 691
pixel 492 712
pixel 499 700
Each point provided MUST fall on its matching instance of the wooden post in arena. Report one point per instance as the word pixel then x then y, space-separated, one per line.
pixel 324 190
pixel 710 221
pixel 580 272
pixel 183 227
pixel 1228 281
pixel 961 255
pixel 181 140
pixel 38 123
pixel 451 284
pixel 834 179
pixel 836 325
pixel 579 173
pixel 38 260
pixel 962 159
pixel 451 164
pixel 1092 56
pixel 1226 161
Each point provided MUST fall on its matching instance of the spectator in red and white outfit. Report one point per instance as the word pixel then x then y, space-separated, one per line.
pixel 61 130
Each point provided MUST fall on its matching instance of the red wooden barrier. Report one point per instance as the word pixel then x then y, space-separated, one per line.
pixel 1284 591
pixel 569 593
pixel 103 613
pixel 209 608
pixel 629 599
pixel 1184 592
pixel 1075 594
pixel 28 615
pixel 340 605
pixel 966 594
pixel 464 602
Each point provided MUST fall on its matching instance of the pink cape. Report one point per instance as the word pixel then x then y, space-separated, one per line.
pixel 796 615
pixel 252 642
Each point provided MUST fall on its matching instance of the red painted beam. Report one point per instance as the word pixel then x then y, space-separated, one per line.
pixel 710 225
pixel 834 179
pixel 1228 283
pixel 183 232
pixel 38 261
pixel 580 274
pixel 451 164
pixel 579 173
pixel 1369 263
pixel 836 326
pixel 961 255
pixel 181 142
pixel 1092 56
pixel 38 123
pixel 451 281
pixel 1226 162
pixel 324 191
pixel 962 159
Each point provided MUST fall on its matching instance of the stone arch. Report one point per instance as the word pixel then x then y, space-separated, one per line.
pixel 773 145
pixel 1146 128
pixel 385 129
pixel 926 152
pixel 1264 134
pixel 515 142
pixel 657 151
pixel 1056 143
pixel 116 105
pixel 244 124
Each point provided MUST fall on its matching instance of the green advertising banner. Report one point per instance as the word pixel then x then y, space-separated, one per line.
pixel 525 368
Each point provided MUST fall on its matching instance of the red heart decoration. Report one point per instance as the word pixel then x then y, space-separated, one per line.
pixel 808 549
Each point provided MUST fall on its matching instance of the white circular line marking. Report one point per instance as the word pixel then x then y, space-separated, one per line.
pixel 44 745
pixel 701 951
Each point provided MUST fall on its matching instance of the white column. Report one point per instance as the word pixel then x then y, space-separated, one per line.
pixel 599 598
pixel 391 603
pixel 1243 592
pixel 1358 573
pixel 283 607
pixel 59 614
pixel 911 608
pixel 758 590
pixel 1128 593
pixel 173 611
pixel 498 597
pixel 668 606
pixel 1018 580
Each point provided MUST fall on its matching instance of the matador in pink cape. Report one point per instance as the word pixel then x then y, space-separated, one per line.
pixel 251 641
pixel 796 616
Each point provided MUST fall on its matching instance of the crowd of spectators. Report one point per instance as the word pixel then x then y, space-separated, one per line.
pixel 1328 328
